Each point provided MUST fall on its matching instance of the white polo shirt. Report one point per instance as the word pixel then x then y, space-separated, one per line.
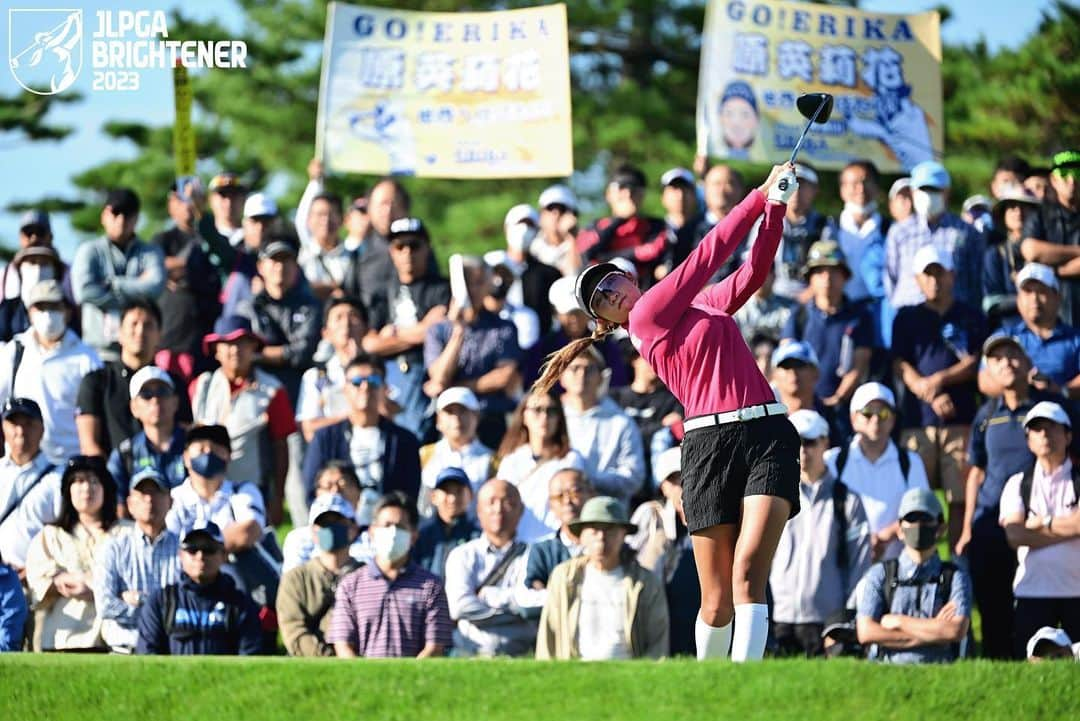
pixel 880 485
pixel 51 377
pixel 233 502
pixel 1051 571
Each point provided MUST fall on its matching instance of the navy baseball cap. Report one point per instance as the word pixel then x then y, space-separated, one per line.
pixel 205 529
pixel 452 474
pixel 24 406
pixel 35 217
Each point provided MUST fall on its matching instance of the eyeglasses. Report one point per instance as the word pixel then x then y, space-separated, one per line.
pixel 882 415
pixel 549 410
pixel 161 392
pixel 373 381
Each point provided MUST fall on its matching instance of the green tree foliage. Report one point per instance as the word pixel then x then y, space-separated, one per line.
pixel 634 68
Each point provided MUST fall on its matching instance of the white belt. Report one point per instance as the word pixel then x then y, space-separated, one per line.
pixel 739 416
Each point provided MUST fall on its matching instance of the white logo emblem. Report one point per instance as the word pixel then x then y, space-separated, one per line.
pixel 45 49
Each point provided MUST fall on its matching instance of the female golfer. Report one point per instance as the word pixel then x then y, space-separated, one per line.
pixel 740 454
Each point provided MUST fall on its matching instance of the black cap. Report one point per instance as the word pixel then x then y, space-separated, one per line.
pixel 214 434
pixel 25 406
pixel 280 240
pixel 407 227
pixel 587 281
pixel 123 201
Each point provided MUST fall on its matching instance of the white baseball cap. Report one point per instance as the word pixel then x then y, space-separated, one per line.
pixel 1050 411
pixel 330 503
pixel 520 214
pixel 677 175
pixel 900 184
pixel 147 374
pixel 803 172
pixel 668 462
pixel 562 297
pixel 1039 272
pixel 929 255
pixel 259 204
pixel 810 425
pixel 1056 636
pixel 457 396
pixel 867 393
pixel 558 195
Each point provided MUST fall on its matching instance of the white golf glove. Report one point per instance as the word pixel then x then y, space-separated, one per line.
pixel 784 187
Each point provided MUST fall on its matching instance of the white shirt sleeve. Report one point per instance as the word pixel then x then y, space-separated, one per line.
pixel 308 407
pixel 303 209
pixel 247 504
pixel 1011 502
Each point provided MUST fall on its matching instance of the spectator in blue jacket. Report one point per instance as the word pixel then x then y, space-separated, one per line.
pixel 112 270
pixel 385 456
pixel 451 524
pixel 205 613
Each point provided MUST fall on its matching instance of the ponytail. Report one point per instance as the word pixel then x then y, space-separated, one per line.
pixel 561 359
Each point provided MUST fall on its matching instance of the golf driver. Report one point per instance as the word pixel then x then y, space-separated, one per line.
pixel 816 108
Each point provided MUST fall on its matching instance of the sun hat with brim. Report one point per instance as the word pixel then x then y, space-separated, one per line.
pixel 1015 195
pixel 588 280
pixel 41 253
pixel 230 328
pixel 602 511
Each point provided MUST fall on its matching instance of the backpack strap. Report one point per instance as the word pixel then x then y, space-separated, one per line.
pixel 892 580
pixel 37 479
pixel 904 457
pixel 1026 483
pixel 169 599
pixel 841 460
pixel 839 499
pixel 15 363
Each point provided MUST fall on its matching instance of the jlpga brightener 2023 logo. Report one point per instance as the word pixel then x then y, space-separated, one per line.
pixel 45 49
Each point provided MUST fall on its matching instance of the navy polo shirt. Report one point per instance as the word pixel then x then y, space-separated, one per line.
pixel 999 447
pixel 833 337
pixel 931 343
pixel 1057 357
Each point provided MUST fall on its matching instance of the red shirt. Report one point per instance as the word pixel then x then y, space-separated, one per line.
pixel 686 331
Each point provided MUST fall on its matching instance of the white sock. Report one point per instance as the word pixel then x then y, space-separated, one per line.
pixel 751 631
pixel 712 642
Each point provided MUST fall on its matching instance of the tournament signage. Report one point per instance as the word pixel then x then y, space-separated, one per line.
pixel 884 70
pixel 446 95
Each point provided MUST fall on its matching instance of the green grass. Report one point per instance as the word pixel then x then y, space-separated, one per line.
pixel 74 687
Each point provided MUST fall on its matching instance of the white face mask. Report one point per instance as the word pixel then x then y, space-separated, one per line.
pixel 928 204
pixel 861 211
pixel 29 276
pixel 391 543
pixel 519 236
pixel 49 324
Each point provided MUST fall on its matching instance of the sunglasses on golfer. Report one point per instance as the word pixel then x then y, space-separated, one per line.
pixel 373 381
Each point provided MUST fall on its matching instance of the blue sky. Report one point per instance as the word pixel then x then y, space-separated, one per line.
pixel 38 169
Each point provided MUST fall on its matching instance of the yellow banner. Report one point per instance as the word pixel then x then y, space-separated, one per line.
pixel 446 95
pixel 758 56
pixel 183 132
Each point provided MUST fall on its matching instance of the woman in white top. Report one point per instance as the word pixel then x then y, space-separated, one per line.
pixel 535 448
pixel 60 560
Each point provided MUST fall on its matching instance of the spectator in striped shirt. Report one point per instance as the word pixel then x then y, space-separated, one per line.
pixel 138 561
pixel 392 607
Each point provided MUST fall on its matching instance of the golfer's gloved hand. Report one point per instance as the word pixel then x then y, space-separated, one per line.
pixel 783 187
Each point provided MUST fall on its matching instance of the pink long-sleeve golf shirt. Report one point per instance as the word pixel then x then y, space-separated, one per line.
pixel 687 333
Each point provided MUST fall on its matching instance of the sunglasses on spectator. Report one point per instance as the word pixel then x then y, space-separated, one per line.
pixel 882 415
pixel 204 548
pixel 373 380
pixel 557 208
pixel 549 410
pixel 162 391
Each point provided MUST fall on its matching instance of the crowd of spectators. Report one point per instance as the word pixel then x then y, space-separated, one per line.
pixel 169 404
